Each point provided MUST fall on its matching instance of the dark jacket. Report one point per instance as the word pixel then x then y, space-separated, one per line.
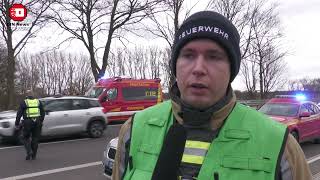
pixel 22 111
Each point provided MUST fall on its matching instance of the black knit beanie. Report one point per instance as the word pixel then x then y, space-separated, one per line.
pixel 209 25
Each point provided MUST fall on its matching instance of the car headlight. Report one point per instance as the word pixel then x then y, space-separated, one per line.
pixel 105 152
pixel 5 124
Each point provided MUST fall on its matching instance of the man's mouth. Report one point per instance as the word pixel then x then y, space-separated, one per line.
pixel 198 85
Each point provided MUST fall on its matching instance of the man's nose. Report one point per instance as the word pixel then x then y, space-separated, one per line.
pixel 199 66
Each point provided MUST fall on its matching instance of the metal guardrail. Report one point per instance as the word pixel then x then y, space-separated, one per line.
pixel 253 103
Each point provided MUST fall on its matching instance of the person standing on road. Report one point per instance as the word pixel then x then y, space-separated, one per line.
pixel 203 132
pixel 33 115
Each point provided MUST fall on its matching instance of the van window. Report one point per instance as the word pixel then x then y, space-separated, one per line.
pixel 315 108
pixel 112 94
pixel 79 104
pixel 59 105
pixel 140 93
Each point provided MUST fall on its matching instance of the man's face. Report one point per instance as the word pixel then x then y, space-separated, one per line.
pixel 203 73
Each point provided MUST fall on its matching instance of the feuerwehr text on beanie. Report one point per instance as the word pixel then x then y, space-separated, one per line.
pixel 209 25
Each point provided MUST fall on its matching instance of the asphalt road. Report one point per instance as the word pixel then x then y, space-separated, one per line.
pixel 80 158
pixel 58 159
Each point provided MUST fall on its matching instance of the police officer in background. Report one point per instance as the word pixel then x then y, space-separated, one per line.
pixel 33 115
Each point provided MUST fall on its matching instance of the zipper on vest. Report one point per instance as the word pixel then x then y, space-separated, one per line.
pixel 216 176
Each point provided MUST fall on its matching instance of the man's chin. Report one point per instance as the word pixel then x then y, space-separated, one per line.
pixel 198 103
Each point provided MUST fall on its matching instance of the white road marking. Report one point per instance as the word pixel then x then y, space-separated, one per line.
pixel 122 113
pixel 47 172
pixel 313 159
pixel 41 173
pixel 316 176
pixel 57 142
pixel 115 124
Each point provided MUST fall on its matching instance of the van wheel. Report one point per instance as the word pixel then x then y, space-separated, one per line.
pixel 95 129
pixel 295 135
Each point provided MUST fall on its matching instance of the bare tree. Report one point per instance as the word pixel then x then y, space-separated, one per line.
pixel 165 68
pixel 36 9
pixel 112 67
pixel 129 63
pixel 28 74
pixel 166 24
pixel 295 85
pixel 305 84
pixel 273 70
pixel 258 26
pixel 249 73
pixel 268 54
pixel 3 69
pixel 83 78
pixel 88 19
pixel 54 73
pixel 139 57
pixel 62 70
pixel 154 63
pixel 117 63
pixel 120 62
pixel 138 62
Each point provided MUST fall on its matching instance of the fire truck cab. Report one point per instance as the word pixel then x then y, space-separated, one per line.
pixel 122 97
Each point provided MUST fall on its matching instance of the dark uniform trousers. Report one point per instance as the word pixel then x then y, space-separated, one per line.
pixel 31 134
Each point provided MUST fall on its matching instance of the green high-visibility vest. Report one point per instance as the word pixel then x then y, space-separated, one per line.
pixel 33 110
pixel 249 145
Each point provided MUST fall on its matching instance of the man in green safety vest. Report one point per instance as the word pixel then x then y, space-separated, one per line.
pixel 202 132
pixel 33 115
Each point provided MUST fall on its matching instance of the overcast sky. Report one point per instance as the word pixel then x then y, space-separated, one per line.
pixel 301 27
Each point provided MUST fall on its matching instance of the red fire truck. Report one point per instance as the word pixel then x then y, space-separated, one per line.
pixel 121 97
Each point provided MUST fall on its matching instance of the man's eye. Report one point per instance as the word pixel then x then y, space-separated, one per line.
pixel 215 57
pixel 188 55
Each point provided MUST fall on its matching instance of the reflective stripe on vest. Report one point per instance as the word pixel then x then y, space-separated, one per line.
pixel 32 110
pixel 195 152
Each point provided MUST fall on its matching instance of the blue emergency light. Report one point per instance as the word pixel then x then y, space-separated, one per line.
pixel 300 97
pixel 104 77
